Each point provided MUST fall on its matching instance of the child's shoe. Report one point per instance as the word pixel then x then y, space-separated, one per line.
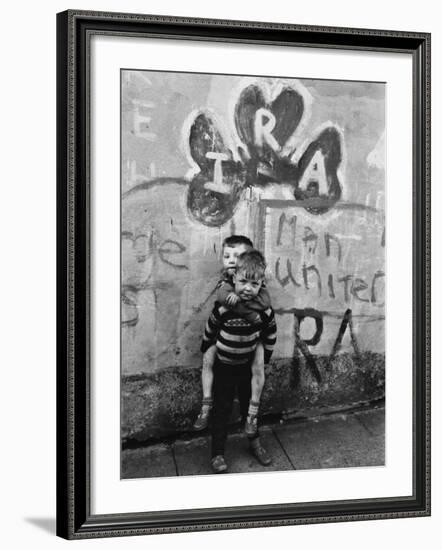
pixel 219 465
pixel 259 452
pixel 251 426
pixel 202 420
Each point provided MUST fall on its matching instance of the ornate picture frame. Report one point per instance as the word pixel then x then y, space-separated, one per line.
pixel 77 221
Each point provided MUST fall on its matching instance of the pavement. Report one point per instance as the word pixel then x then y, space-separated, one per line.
pixel 340 440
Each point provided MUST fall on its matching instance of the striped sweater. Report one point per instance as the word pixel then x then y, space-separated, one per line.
pixel 236 338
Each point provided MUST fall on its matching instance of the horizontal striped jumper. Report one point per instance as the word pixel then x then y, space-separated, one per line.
pixel 236 338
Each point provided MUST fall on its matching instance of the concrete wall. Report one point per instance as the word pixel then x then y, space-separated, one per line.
pixel 325 254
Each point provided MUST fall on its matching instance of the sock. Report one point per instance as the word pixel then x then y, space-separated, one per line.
pixel 253 408
pixel 206 404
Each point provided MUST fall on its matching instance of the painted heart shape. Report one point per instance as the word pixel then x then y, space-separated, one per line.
pixel 253 110
pixel 267 130
pixel 216 188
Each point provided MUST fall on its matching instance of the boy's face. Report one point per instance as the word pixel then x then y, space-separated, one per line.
pixel 246 288
pixel 230 255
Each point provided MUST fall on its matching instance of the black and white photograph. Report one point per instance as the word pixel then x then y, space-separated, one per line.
pixel 243 274
pixel 253 275
pixel 219 284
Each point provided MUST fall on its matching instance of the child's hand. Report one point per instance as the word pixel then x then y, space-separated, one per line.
pixel 232 299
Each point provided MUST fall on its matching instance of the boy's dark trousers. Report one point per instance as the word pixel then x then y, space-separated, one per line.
pixel 227 379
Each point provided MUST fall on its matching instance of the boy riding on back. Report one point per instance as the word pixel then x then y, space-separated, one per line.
pixel 235 338
pixel 233 247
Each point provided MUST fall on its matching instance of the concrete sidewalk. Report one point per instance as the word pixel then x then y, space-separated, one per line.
pixel 340 440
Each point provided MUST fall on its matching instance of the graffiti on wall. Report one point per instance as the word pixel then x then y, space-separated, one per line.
pixel 336 265
pixel 266 120
pixel 272 176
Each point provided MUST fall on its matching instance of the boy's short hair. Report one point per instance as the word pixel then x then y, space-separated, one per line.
pixel 235 240
pixel 252 264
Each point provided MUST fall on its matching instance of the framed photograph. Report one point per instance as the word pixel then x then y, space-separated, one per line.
pixel 243 274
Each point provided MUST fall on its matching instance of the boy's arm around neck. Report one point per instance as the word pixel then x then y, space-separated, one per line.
pixel 260 302
pixel 223 289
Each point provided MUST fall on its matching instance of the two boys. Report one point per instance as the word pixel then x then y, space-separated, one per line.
pixel 238 340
